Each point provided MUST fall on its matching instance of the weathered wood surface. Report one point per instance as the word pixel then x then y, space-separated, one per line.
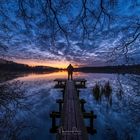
pixel 80 83
pixel 64 80
pixel 71 117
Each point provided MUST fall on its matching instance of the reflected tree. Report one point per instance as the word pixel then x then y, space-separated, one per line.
pixel 12 101
pixel 120 90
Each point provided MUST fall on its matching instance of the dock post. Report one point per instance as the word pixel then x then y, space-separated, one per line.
pixel 58 82
pixel 78 91
pixel 63 94
pixel 82 83
pixel 60 107
pixel 63 91
pixel 91 120
pixel 60 101
pixel 82 101
pixel 53 120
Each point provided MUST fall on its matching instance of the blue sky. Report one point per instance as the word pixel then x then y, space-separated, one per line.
pixel 29 41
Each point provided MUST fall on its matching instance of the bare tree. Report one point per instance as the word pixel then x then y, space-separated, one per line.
pixel 53 19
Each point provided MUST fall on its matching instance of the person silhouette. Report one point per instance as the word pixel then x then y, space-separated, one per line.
pixel 70 71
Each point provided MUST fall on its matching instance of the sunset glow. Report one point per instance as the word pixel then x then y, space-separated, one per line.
pixel 51 63
pixel 49 76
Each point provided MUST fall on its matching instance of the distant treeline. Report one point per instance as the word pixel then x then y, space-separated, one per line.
pixel 12 67
pixel 135 69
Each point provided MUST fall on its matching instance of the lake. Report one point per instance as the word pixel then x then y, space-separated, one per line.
pixel 27 101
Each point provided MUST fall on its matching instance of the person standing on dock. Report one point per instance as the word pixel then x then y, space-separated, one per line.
pixel 70 72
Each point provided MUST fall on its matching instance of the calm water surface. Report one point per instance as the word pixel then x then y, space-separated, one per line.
pixel 26 115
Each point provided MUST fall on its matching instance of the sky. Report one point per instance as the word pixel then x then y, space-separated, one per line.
pixel 28 38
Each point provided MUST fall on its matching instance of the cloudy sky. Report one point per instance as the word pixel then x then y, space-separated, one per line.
pixel 31 33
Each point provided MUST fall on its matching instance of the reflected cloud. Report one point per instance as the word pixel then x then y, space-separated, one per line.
pixel 115 119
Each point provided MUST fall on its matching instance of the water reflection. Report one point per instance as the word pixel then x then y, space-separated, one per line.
pixel 103 90
pixel 12 106
pixel 26 102
pixel 48 76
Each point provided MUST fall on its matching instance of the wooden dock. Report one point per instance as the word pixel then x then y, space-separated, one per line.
pixel 72 112
pixel 72 119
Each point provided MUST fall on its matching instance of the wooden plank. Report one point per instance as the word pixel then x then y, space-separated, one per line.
pixel 80 79
pixel 72 118
pixel 80 83
pixel 65 80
